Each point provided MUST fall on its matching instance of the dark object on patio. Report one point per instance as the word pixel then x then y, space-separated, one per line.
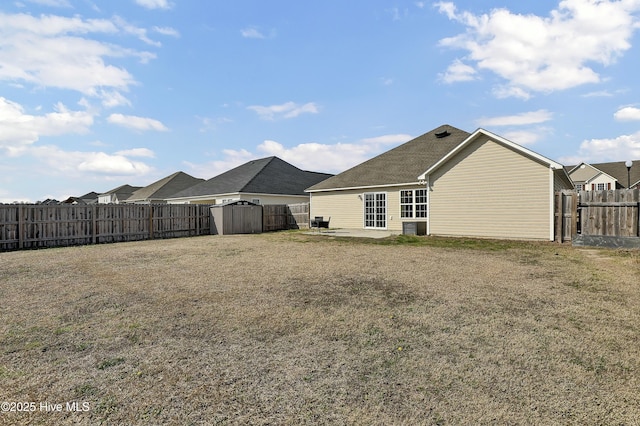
pixel 319 222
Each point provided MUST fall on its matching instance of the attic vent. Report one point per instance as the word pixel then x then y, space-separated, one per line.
pixel 442 134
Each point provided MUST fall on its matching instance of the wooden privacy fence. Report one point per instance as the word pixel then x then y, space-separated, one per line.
pixel 609 218
pixel 276 217
pixel 35 226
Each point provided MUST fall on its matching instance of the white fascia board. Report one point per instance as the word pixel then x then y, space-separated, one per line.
pixel 391 185
pixel 524 151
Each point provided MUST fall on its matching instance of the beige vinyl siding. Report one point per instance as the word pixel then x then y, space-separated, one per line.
pixel 584 172
pixel 346 208
pixel 489 190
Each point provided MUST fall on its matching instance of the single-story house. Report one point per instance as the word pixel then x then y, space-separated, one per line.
pixel 159 191
pixel 117 195
pixel 264 181
pixel 605 176
pixel 450 183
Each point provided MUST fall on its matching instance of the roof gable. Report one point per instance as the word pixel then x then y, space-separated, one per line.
pixel 400 165
pixel 269 175
pixel 165 187
pixel 495 138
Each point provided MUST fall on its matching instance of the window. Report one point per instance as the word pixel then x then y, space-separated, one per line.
pixel 601 187
pixel 255 200
pixel 406 203
pixel 413 203
pixel 579 187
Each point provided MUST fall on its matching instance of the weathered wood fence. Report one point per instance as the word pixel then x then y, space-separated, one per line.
pixel 608 218
pixel 36 226
pixel 285 216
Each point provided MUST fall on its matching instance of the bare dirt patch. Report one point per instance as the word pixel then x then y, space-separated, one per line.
pixel 289 328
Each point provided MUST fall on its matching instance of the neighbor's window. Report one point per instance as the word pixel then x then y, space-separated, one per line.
pixel 601 187
pixel 413 203
pixel 579 187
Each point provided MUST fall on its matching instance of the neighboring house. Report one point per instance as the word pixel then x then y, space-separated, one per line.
pixel 89 198
pixel 604 176
pixel 159 191
pixel 451 183
pixel 117 195
pixel 265 181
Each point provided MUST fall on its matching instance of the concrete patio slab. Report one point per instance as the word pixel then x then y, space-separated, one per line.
pixel 357 233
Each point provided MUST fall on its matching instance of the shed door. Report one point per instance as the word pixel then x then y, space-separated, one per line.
pixel 375 210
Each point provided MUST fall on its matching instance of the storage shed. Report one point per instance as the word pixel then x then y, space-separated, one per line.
pixel 236 217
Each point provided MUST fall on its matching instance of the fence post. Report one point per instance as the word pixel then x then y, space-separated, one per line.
pixel 94 224
pixel 150 221
pixel 20 227
pixel 574 216
pixel 559 215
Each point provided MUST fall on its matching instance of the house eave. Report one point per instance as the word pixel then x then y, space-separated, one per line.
pixel 351 188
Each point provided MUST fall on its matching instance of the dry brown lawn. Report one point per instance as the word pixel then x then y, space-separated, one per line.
pixel 287 328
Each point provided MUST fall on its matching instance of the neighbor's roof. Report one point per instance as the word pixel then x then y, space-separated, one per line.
pixel 165 188
pixel 122 189
pixel 269 175
pixel 617 170
pixel 399 165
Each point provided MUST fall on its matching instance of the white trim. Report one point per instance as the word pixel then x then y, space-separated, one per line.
pixel 429 204
pixel 499 139
pixel 552 213
pixel 350 188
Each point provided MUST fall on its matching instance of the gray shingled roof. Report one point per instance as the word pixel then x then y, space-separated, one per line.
pixel 269 175
pixel 165 188
pixel 399 165
pixel 122 190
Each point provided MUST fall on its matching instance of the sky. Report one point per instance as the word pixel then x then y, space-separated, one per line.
pixel 94 95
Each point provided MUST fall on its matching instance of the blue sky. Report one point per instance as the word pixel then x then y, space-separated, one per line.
pixel 94 95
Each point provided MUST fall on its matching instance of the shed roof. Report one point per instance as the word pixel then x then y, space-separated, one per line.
pixel 165 187
pixel 399 165
pixel 269 175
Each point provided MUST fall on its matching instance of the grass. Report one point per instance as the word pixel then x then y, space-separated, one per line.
pixel 288 328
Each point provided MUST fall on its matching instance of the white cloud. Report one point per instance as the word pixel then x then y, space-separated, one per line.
pixel 168 31
pixel 523 137
pixel 313 156
pixel 459 71
pixel 76 163
pixel 137 152
pixel 525 118
pixel 286 110
pixel 155 4
pixel 51 3
pixel 603 150
pixel 252 32
pixel 136 123
pixel 545 54
pixel 56 51
pixel 627 114
pixel 18 129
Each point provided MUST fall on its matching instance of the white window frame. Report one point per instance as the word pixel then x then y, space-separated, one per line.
pixel 417 210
